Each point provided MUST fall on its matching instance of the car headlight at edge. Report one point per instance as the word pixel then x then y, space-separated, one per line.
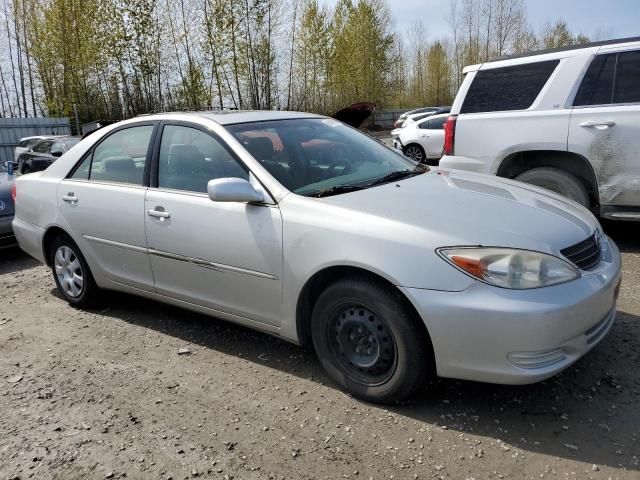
pixel 509 267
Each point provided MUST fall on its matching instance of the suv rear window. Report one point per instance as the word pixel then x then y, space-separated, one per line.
pixel 508 88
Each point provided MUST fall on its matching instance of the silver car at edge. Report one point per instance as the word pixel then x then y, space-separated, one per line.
pixel 300 226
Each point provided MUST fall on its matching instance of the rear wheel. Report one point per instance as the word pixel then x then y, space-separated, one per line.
pixel 557 181
pixel 416 153
pixel 369 341
pixel 71 273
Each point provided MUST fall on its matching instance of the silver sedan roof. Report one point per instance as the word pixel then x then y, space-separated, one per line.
pixel 229 117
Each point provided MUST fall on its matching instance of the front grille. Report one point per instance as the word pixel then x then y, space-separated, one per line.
pixel 586 254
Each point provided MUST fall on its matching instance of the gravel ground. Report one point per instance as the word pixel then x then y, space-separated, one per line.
pixel 142 390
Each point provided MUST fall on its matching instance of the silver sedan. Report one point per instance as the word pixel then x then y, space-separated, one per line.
pixel 302 227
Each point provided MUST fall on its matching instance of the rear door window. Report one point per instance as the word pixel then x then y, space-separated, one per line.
pixel 119 158
pixel 597 85
pixel 508 88
pixel 611 79
pixel 627 86
pixel 437 123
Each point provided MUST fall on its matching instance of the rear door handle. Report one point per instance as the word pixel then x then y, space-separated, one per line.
pixel 599 124
pixel 70 197
pixel 158 214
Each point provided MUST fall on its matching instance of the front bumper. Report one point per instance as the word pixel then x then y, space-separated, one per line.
pixel 496 335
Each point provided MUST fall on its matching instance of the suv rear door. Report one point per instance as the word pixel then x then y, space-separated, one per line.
pixel 605 125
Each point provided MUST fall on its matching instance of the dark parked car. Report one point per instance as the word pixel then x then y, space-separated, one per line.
pixel 44 153
pixel 6 208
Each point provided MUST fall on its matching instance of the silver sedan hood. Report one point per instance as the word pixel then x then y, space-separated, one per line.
pixel 452 208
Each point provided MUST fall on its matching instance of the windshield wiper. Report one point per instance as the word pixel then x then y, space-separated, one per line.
pixel 398 175
pixel 338 189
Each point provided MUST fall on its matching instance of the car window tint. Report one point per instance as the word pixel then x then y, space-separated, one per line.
pixel 121 156
pixel 189 158
pixel 627 88
pixel 437 123
pixel 508 88
pixel 424 125
pixel 597 86
pixel 82 171
pixel 43 147
pixel 57 147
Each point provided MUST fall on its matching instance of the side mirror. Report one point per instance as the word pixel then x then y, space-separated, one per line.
pixel 56 153
pixel 233 190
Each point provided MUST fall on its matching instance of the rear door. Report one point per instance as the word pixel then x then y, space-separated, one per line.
pixel 434 136
pixel 605 125
pixel 103 203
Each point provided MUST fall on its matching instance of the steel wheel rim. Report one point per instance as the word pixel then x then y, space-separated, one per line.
pixel 363 344
pixel 69 271
pixel 414 153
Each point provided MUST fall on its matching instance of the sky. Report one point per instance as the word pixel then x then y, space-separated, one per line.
pixel 613 18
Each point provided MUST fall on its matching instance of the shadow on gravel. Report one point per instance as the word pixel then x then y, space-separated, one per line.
pixel 14 260
pixel 588 413
pixel 625 234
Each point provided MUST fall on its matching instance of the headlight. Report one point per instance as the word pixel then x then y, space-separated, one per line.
pixel 510 268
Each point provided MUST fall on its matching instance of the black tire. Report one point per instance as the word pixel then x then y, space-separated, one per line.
pixel 89 293
pixel 419 156
pixel 557 181
pixel 390 377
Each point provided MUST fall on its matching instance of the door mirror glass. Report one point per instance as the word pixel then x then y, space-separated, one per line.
pixel 233 190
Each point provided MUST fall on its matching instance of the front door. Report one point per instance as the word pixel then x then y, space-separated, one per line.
pixel 103 203
pixel 225 256
pixel 605 125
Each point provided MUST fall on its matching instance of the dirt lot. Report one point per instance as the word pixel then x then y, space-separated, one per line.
pixel 106 394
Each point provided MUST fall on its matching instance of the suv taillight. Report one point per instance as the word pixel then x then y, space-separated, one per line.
pixel 450 134
pixel 13 192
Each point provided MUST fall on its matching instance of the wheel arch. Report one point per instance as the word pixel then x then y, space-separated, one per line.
pixel 47 239
pixel 326 276
pixel 519 162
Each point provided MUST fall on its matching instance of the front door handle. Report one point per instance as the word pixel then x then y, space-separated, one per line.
pixel 599 124
pixel 70 197
pixel 158 214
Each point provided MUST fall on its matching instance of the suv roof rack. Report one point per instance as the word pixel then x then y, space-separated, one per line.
pixel 565 49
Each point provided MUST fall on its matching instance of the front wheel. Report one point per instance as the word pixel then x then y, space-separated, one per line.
pixel 369 341
pixel 71 273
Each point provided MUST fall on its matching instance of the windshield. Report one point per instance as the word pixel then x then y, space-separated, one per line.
pixel 313 156
pixel 70 141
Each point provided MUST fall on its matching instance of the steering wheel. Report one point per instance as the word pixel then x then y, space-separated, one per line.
pixel 339 161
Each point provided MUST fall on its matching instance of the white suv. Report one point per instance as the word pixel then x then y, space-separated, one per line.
pixel 567 120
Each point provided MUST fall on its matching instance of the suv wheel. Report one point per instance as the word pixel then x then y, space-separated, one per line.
pixel 416 153
pixel 71 273
pixel 557 181
pixel 369 342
